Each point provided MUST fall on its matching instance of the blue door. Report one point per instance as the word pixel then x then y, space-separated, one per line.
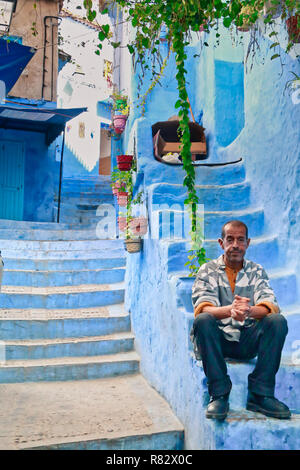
pixel 11 180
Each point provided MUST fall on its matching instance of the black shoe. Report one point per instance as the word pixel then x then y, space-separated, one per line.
pixel 218 407
pixel 268 406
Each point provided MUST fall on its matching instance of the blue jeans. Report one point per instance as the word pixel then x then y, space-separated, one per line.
pixel 265 339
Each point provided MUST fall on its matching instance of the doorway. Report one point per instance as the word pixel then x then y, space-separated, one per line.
pixel 11 180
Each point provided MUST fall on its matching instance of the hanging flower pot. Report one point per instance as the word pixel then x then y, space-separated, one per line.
pixel 118 186
pixel 139 226
pixel 122 222
pixel 124 162
pixel 133 245
pixel 119 123
pixel 201 29
pixel 244 29
pixel 293 28
pixel 122 198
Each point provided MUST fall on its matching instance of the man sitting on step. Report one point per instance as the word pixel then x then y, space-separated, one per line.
pixel 237 316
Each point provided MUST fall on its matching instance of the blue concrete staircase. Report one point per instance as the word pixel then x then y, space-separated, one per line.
pixel 66 334
pixel 80 198
pixel 226 194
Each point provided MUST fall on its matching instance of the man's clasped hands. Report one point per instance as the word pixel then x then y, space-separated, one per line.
pixel 240 308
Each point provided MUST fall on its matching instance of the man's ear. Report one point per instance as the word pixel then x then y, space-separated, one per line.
pixel 221 242
pixel 248 242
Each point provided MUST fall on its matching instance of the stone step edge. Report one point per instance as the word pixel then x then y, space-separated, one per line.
pixel 57 290
pixel 73 340
pixel 110 311
pixel 94 438
pixel 236 213
pixel 286 362
pixel 245 182
pixel 254 240
pixel 130 356
pixel 67 271
pixel 236 415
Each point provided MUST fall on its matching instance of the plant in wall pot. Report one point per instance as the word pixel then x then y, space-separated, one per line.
pixel 122 222
pixel 139 225
pixel 120 111
pixel 124 162
pixel 122 197
pixel 119 180
pixel 118 186
pixel 293 28
pixel 136 227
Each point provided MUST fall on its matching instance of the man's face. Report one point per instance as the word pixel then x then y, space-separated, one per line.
pixel 234 244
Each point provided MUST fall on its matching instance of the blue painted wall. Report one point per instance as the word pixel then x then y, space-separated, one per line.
pixel 73 168
pixel 229 102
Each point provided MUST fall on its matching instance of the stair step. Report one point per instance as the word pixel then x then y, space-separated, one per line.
pixel 292 342
pixel 48 235
pixel 85 203
pixel 245 430
pixel 107 414
pixel 286 389
pixel 65 245
pixel 158 172
pixel 215 197
pixel 63 264
pixel 23 324
pixel 86 295
pixel 81 254
pixel 71 347
pixel 176 223
pixel 69 368
pixel 62 278
pixel 31 225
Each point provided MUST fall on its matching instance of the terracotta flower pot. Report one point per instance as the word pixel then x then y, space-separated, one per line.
pixel 122 223
pixel 122 198
pixel 293 28
pixel 244 28
pixel 119 123
pixel 133 245
pixel 118 186
pixel 139 226
pixel 124 162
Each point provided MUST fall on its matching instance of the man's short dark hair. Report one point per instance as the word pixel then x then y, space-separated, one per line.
pixel 235 223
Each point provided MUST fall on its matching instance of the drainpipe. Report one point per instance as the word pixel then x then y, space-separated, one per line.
pixel 52 53
pixel 60 176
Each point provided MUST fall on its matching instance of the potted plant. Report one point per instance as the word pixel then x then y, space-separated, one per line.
pixel 139 225
pixel 124 162
pixel 118 186
pixel 120 111
pixel 133 245
pixel 122 198
pixel 293 28
pixel 122 223
pixel 120 180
